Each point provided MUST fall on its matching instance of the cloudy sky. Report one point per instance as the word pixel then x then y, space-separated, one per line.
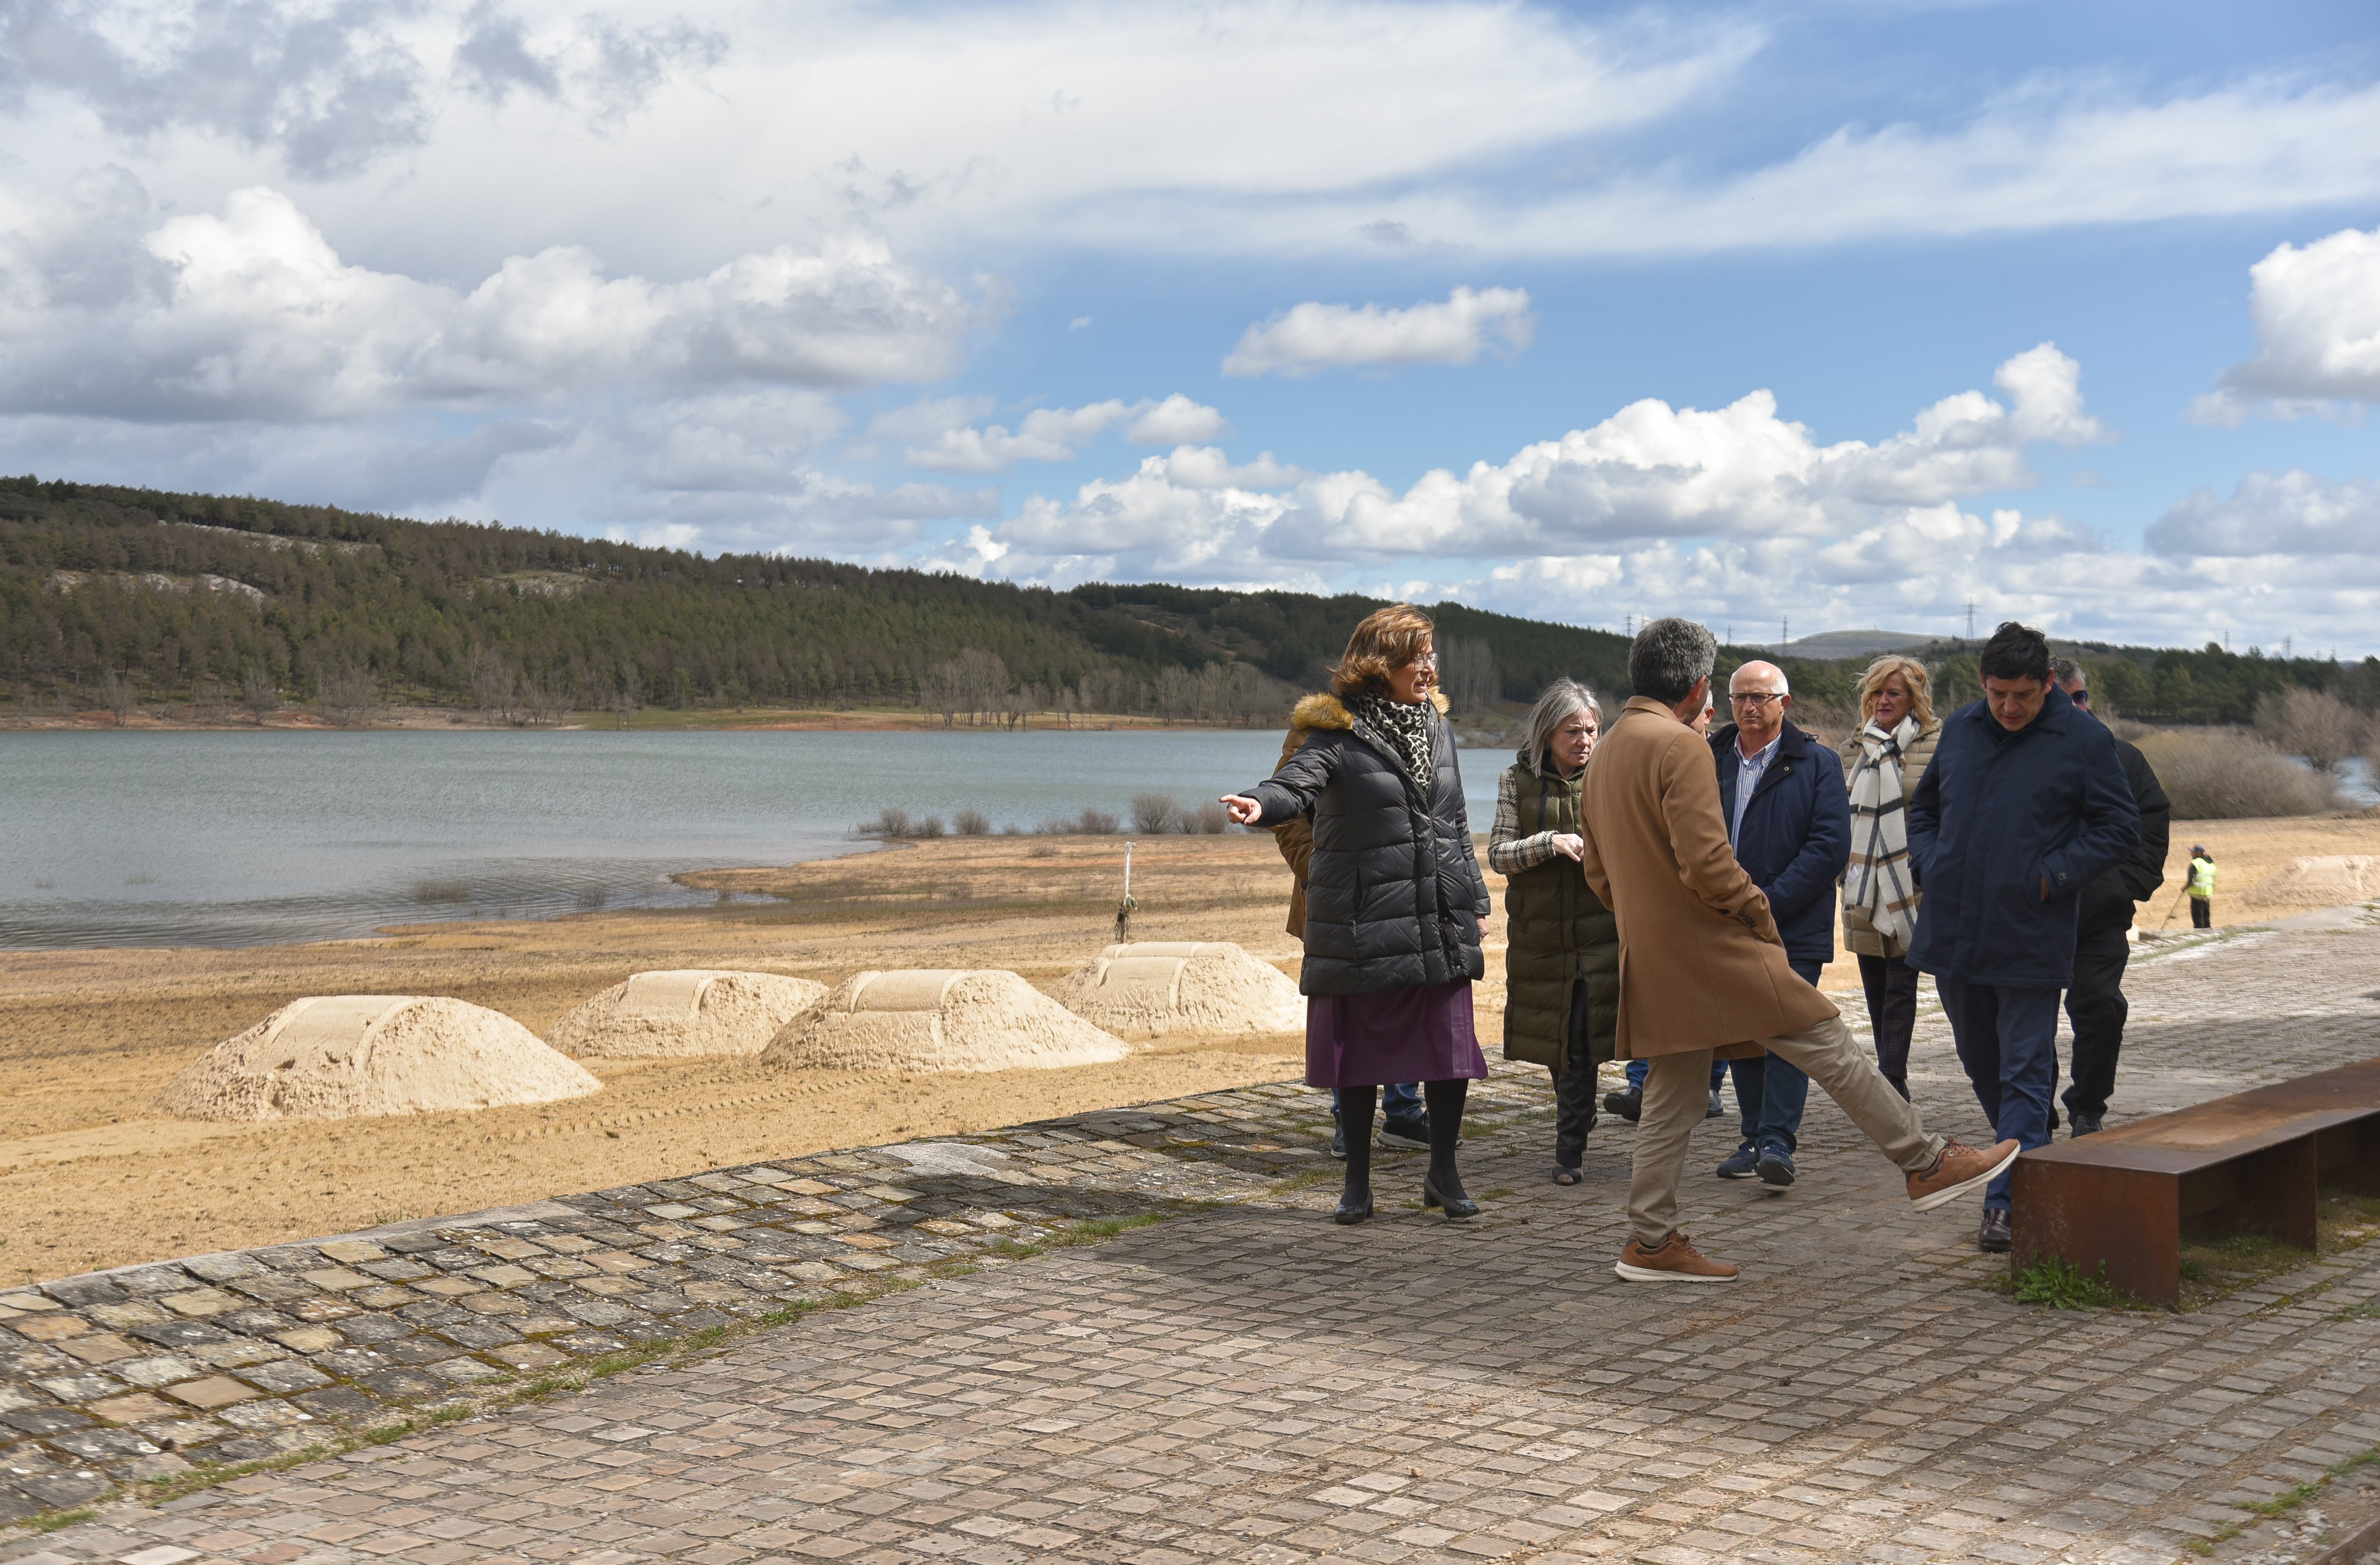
pixel 1842 314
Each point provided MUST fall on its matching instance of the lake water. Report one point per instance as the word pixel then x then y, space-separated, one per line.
pixel 227 839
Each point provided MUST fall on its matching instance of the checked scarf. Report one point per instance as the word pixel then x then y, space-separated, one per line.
pixel 1406 728
pixel 1878 881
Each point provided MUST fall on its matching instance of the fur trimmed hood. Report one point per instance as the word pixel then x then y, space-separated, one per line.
pixel 1323 709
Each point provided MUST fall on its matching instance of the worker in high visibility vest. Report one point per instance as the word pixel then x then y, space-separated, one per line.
pixel 2201 888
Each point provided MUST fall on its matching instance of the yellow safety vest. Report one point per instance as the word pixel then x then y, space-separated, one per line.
pixel 2202 878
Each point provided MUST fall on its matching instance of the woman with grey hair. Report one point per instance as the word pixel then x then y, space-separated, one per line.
pixel 1561 963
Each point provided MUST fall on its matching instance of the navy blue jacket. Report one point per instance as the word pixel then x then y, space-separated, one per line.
pixel 1796 836
pixel 1997 814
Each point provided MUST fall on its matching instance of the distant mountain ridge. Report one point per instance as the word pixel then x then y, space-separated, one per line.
pixel 109 594
pixel 1828 645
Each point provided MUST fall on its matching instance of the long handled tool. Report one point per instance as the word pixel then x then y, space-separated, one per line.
pixel 1123 908
pixel 2176 907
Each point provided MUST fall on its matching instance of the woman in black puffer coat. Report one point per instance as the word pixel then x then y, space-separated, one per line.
pixel 1393 896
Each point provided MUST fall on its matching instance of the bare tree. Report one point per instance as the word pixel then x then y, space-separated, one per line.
pixel 2311 723
pixel 116 693
pixel 495 684
pixel 1153 814
pixel 1467 673
pixel 348 693
pixel 258 693
pixel 939 691
pixel 546 696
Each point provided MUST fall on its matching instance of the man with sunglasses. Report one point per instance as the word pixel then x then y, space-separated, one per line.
pixel 2095 1003
pixel 1789 820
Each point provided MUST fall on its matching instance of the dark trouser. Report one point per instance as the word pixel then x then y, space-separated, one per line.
pixel 1891 984
pixel 1574 1089
pixel 2007 1041
pixel 2096 1007
pixel 2202 913
pixel 1442 1102
pixel 1400 1104
pixel 1770 1093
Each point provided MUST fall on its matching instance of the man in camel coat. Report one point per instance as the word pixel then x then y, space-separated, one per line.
pixel 1702 970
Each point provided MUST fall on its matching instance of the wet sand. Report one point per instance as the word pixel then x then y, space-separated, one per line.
pixel 91 1176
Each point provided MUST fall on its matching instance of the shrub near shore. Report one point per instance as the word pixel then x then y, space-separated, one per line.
pixel 1153 815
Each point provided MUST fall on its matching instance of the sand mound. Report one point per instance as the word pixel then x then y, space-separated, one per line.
pixel 2329 880
pixel 688 1011
pixel 335 1057
pixel 1157 986
pixel 944 1020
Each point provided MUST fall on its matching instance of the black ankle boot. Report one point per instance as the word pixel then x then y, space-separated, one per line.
pixel 1356 1106
pixel 1443 1186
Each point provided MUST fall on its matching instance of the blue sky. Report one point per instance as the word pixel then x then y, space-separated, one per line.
pixel 1844 314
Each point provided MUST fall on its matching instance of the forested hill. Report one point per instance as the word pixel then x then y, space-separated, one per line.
pixel 115 595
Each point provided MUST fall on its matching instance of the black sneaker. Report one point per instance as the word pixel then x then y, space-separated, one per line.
pixel 1716 1108
pixel 1628 1103
pixel 1338 1142
pixel 1994 1238
pixel 2084 1124
pixel 1411 1132
pixel 1776 1164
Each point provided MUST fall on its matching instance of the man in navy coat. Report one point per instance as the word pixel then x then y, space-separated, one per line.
pixel 1789 816
pixel 2024 803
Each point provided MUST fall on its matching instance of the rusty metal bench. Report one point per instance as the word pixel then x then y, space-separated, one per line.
pixel 2254 1162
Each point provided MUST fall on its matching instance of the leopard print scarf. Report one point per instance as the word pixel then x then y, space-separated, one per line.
pixel 1406 728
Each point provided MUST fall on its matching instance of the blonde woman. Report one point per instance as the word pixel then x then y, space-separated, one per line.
pixel 1393 897
pixel 1881 764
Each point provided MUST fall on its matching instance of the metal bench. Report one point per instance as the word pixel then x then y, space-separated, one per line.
pixel 2254 1162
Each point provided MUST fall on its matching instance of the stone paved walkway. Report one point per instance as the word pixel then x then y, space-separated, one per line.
pixel 1249 1382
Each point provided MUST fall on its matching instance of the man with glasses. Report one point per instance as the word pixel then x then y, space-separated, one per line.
pixel 2095 1003
pixel 1789 819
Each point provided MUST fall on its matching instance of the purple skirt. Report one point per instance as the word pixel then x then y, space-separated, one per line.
pixel 1419 1034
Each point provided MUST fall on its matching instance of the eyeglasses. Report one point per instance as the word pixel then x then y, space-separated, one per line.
pixel 2081 698
pixel 1754 699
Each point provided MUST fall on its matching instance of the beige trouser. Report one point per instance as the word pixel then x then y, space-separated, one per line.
pixel 1677 1096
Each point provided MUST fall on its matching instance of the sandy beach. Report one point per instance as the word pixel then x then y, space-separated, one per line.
pixel 93 1176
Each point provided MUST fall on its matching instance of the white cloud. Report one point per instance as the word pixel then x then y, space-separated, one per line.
pixel 1175 421
pixel 1649 472
pixel 2057 153
pixel 1205 467
pixel 2317 316
pixel 1050 434
pixel 1739 516
pixel 2269 514
pixel 251 313
pixel 1314 336
pixel 470 130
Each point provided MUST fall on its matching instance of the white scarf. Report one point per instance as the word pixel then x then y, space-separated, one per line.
pixel 1878 881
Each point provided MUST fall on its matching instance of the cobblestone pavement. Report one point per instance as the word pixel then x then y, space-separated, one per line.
pixel 1246 1380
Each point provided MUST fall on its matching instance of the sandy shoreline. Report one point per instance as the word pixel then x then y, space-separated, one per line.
pixel 92 1176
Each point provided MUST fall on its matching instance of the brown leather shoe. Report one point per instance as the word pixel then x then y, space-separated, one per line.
pixel 1959 1169
pixel 1675 1260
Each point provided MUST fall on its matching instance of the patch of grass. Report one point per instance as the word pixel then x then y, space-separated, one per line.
pixel 2062 1285
pixel 1498 1194
pixel 1090 1232
pixel 2286 1501
pixel 51 1521
pixel 2289 1500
